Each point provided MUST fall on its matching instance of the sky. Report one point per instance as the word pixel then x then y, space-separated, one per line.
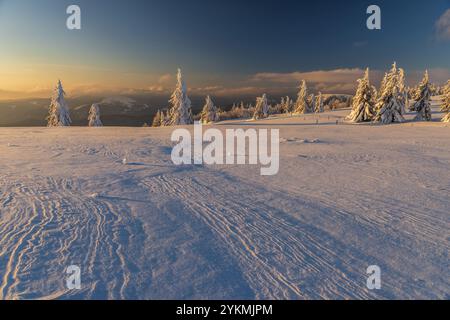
pixel 224 47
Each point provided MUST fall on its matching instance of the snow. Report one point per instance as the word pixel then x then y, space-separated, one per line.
pixel 346 197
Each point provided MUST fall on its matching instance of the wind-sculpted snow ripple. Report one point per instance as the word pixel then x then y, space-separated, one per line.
pixel 51 226
pixel 280 257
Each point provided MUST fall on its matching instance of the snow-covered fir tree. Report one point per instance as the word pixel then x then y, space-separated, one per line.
pixel 446 102
pixel 209 113
pixel 363 104
pixel 59 110
pixel 288 105
pixel 402 91
pixel 445 91
pixel 158 119
pixel 311 103
pixel 319 104
pixel 261 108
pixel 94 116
pixel 446 118
pixel 423 100
pixel 180 112
pixel 389 109
pixel 165 118
pixel 301 106
pixel 384 81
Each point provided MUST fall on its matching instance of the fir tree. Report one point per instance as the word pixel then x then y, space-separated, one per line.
pixel 261 108
pixel 319 104
pixel 446 102
pixel 158 119
pixel 311 103
pixel 209 112
pixel 423 100
pixel 363 104
pixel 402 91
pixel 180 112
pixel 288 105
pixel 94 116
pixel 301 106
pixel 58 111
pixel 389 109
pixel 446 97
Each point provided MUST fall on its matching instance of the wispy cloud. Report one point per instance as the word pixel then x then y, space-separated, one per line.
pixel 327 81
pixel 443 26
pixel 327 76
pixel 338 81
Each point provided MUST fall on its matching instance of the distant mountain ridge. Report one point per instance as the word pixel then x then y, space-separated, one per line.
pixel 118 110
pixel 115 111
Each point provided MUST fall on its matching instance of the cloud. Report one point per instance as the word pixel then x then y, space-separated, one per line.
pixel 157 88
pixel 437 75
pixel 329 76
pixel 443 26
pixel 337 81
pixel 327 81
pixel 166 79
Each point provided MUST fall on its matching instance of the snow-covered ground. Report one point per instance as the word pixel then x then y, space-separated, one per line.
pixel 346 197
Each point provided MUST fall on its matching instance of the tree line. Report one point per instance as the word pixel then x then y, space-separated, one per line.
pixel 386 105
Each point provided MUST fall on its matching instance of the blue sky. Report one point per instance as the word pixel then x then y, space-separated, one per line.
pixel 219 44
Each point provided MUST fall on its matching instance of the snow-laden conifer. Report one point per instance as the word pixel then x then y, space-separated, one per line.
pixel 158 119
pixel 363 104
pixel 94 116
pixel 180 112
pixel 446 97
pixel 209 113
pixel 311 103
pixel 319 104
pixel 58 111
pixel 301 106
pixel 261 108
pixel 389 109
pixel 423 100
pixel 402 91
pixel 288 105
pixel 446 102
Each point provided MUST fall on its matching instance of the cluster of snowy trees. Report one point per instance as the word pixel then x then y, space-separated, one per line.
pixel 305 104
pixel 59 115
pixel 385 106
pixel 180 110
pixel 390 103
